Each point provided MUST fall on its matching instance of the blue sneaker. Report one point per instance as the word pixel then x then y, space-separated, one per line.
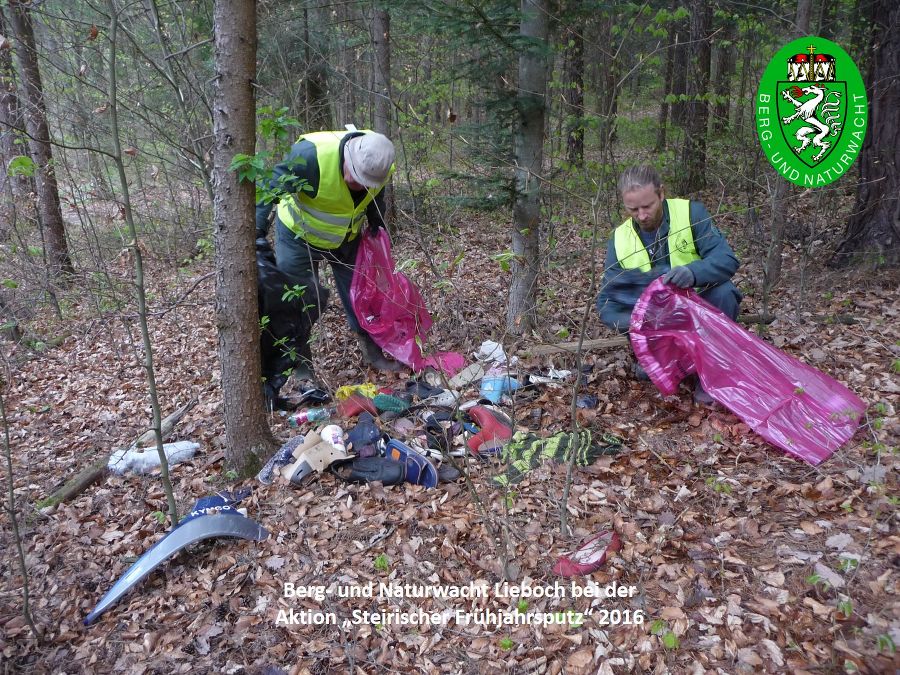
pixel 419 471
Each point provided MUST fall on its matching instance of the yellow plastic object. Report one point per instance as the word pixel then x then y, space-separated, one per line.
pixel 368 390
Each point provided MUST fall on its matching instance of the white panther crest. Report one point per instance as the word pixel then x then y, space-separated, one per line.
pixel 807 111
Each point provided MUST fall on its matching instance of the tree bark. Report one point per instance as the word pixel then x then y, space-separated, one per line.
pixel 801 25
pixel 668 82
pixel 679 81
pixel 528 150
pixel 381 43
pixel 694 149
pixel 782 191
pixel 573 94
pixel 609 83
pixel 8 123
pixel 318 103
pixel 248 437
pixel 873 230
pixel 724 71
pixel 48 206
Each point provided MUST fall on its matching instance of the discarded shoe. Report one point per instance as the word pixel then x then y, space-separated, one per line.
pixel 369 469
pixel 434 396
pixel 354 405
pixel 419 471
pixel 439 435
pixel 494 426
pixel 389 403
pixel 434 455
pixel 365 433
pixel 315 396
pixel 422 390
pixel 590 556
pixel 467 375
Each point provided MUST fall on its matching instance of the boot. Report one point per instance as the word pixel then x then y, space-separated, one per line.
pixel 373 356
pixel 701 397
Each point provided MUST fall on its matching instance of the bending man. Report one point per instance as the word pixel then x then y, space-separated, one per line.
pixel 329 183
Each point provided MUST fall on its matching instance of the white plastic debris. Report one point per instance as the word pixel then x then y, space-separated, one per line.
pixel 553 376
pixel 145 460
pixel 491 351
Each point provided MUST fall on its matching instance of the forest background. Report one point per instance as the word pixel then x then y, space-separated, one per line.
pixel 128 290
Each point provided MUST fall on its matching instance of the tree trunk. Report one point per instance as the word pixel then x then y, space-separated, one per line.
pixel 694 149
pixel 528 149
pixel 667 89
pixel 573 93
pixel 248 438
pixel 873 230
pixel 318 103
pixel 48 207
pixel 724 71
pixel 381 43
pixel 8 113
pixel 679 81
pixel 782 192
pixel 609 83
pixel 801 25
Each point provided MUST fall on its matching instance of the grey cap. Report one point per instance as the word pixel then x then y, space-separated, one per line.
pixel 369 158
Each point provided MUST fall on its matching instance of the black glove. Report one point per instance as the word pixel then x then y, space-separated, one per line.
pixel 682 277
pixel 262 245
pixel 373 229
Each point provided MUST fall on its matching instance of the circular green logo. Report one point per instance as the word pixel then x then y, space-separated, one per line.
pixel 811 112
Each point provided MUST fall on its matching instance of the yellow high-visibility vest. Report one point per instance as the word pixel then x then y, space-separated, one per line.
pixel 632 253
pixel 325 220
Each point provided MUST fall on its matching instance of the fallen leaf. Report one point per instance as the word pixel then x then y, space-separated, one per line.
pixel 829 575
pixel 579 661
pixel 820 610
pixel 839 541
pixel 274 562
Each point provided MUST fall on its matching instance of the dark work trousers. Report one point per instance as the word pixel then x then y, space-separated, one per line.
pixel 301 262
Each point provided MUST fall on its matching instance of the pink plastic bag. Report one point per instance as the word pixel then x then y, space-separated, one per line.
pixel 387 304
pixel 794 406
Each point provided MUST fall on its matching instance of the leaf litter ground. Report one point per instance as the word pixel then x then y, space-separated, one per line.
pixel 744 559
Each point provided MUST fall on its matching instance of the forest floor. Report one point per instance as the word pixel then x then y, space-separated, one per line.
pixel 743 559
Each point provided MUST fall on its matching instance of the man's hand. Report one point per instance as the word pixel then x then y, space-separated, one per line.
pixel 373 230
pixel 682 277
pixel 262 245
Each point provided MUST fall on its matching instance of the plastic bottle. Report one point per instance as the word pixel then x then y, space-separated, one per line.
pixel 311 415
pixel 494 387
pixel 145 460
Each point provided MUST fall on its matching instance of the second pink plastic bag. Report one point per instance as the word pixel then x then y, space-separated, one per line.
pixel 801 410
pixel 387 304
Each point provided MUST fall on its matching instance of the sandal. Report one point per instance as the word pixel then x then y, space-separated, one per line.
pixel 369 469
pixel 419 471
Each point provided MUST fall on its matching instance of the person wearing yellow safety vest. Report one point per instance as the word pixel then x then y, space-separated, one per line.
pixel 326 187
pixel 670 238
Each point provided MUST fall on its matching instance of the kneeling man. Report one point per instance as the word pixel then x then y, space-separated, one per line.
pixel 672 238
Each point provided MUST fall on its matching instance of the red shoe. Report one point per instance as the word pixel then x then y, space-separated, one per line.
pixel 590 557
pixel 355 404
pixel 496 428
